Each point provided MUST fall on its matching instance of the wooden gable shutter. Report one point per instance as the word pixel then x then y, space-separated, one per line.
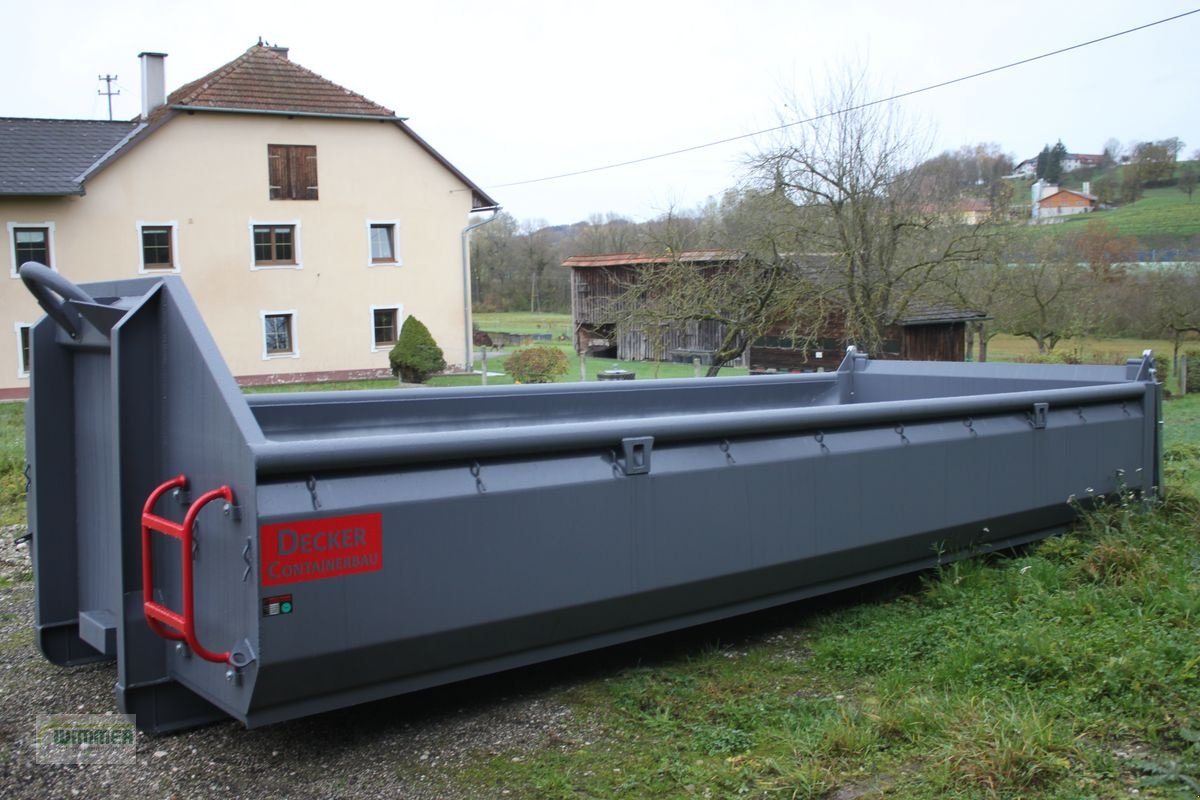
pixel 304 172
pixel 277 171
pixel 292 171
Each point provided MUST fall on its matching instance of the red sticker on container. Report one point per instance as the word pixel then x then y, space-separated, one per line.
pixel 312 549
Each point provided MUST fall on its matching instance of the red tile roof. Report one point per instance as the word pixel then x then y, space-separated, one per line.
pixel 640 259
pixel 263 79
pixel 1064 192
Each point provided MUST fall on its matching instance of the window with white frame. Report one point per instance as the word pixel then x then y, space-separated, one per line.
pixel 279 334
pixel 382 242
pixel 23 353
pixel 385 326
pixel 275 244
pixel 32 241
pixel 158 246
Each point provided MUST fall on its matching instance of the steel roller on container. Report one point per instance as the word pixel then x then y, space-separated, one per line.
pixel 273 556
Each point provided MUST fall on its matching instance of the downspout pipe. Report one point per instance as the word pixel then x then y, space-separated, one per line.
pixel 469 360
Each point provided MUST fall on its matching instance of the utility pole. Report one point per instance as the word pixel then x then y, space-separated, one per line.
pixel 108 90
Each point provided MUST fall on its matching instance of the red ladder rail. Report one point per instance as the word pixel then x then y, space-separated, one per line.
pixel 162 620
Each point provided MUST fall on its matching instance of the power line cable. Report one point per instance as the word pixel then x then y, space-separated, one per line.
pixel 858 107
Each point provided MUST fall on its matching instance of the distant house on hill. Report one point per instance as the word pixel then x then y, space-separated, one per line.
pixel 926 332
pixel 1070 163
pixel 1051 203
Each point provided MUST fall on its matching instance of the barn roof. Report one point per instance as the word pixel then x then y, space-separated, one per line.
pixel 927 312
pixel 642 259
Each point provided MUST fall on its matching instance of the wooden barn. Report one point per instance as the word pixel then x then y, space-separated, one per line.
pixel 597 283
pixel 928 332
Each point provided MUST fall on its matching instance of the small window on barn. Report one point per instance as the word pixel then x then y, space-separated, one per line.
pixel 292 171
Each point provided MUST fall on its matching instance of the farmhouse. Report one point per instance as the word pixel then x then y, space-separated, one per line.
pixel 1050 203
pixel 306 220
pixel 927 331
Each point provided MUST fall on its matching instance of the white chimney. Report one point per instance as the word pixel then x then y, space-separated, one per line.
pixel 1087 187
pixel 154 82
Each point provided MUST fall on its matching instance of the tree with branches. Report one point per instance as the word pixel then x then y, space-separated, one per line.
pixel 763 290
pixel 849 176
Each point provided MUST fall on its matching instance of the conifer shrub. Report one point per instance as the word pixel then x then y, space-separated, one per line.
pixel 416 355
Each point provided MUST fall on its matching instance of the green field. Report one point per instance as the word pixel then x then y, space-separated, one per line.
pixel 1001 348
pixel 1161 212
pixel 521 322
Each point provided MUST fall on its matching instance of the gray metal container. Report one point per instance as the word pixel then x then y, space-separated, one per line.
pixel 348 546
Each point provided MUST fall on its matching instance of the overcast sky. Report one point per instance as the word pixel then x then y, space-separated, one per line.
pixel 510 91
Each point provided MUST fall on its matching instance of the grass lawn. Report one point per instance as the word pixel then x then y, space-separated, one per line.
pixel 1004 347
pixel 1069 669
pixel 1161 212
pixel 522 322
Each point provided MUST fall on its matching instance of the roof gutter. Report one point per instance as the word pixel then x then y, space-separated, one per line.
pixel 469 361
pixel 280 113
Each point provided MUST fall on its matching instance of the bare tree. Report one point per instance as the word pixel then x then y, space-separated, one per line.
pixel 765 290
pixel 1045 294
pixel 1187 180
pixel 1175 293
pixel 978 287
pixel 850 173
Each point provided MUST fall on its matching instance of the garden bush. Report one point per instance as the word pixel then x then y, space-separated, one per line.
pixel 538 364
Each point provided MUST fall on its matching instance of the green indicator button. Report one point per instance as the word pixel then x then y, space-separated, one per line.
pixel 285 607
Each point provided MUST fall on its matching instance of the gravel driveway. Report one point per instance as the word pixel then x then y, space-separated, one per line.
pixel 407 747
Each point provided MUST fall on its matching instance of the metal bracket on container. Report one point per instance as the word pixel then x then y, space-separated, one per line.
pixel 475 473
pixel 1037 417
pixel 240 657
pixel 311 485
pixel 636 454
pixel 246 558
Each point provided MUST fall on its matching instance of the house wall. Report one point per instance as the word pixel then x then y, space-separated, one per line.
pixel 207 174
pixel 1063 204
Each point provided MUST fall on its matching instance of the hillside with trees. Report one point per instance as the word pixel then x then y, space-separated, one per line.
pixel 848 212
